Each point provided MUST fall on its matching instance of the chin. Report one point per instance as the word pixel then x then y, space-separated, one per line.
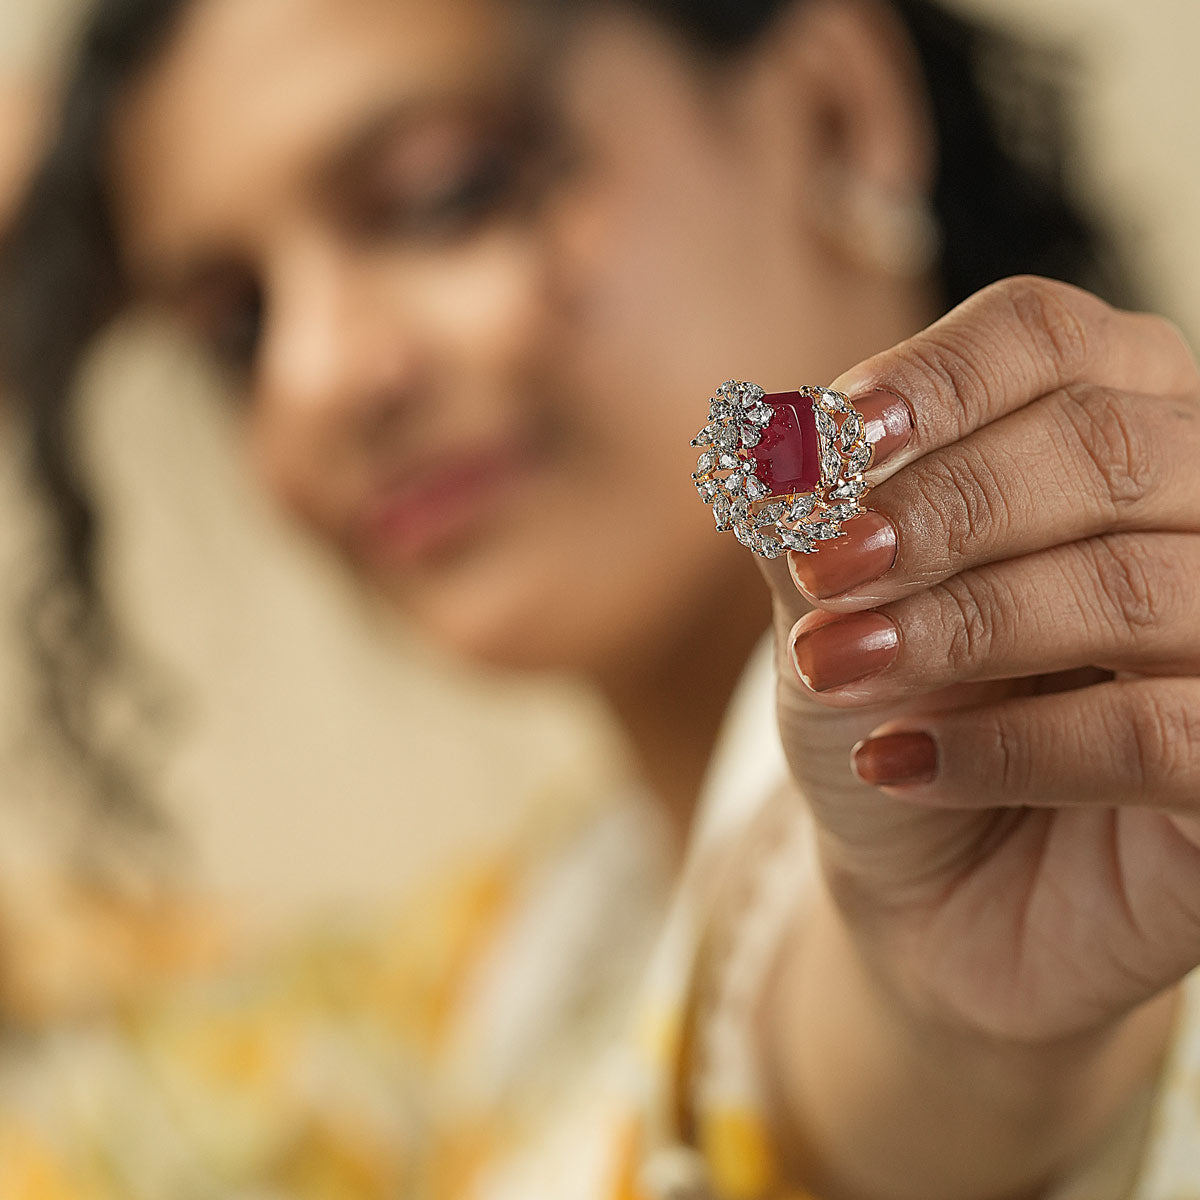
pixel 527 641
pixel 541 600
pixel 501 620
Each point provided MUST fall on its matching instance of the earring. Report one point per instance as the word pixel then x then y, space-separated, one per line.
pixel 895 232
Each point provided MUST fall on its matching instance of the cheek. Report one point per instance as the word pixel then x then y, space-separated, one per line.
pixel 488 313
pixel 279 455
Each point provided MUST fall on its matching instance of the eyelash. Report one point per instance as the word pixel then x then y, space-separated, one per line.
pixel 479 191
pixel 486 186
pixel 234 333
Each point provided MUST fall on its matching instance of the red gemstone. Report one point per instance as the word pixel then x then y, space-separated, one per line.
pixel 788 458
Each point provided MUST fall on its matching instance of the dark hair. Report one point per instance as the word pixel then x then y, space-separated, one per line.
pixel 999 197
pixel 60 282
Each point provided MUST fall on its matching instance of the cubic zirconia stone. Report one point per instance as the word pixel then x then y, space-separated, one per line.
pixel 726 437
pixel 850 489
pixel 721 511
pixel 831 465
pixel 825 424
pixel 794 539
pixel 852 430
pixel 840 512
pixel 801 507
pixel 769 514
pixel 788 456
pixel 745 535
pixel 740 508
pixel 858 460
pixel 706 462
pixel 751 436
pixel 755 489
pixel 769 547
pixel 822 530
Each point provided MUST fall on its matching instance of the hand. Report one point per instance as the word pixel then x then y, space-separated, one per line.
pixel 1027 863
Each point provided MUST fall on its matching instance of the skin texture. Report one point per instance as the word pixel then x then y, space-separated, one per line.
pixel 1022 917
pixel 487 418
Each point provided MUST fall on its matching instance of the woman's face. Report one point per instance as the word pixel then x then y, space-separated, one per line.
pixel 480 283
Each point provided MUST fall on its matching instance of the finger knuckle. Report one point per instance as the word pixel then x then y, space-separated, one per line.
pixel 1006 756
pixel 976 620
pixel 1164 740
pixel 950 362
pixel 965 501
pixel 1136 594
pixel 1051 316
pixel 1116 446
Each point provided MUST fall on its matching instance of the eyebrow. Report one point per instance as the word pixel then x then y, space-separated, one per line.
pixel 372 136
pixel 522 85
pixel 176 279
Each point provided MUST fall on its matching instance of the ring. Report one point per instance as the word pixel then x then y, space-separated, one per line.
pixel 782 470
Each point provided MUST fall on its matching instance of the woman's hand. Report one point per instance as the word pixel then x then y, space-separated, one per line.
pixel 1036 644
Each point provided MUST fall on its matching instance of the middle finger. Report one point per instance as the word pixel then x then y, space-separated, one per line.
pixel 1122 602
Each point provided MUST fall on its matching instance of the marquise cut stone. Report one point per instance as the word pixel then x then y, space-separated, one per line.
pixel 859 460
pixel 802 507
pixel 788 457
pixel 851 489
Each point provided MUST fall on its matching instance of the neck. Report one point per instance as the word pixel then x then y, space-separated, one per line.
pixel 672 702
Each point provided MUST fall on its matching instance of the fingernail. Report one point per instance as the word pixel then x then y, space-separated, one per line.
pixel 896 759
pixel 845 650
pixel 866 552
pixel 888 421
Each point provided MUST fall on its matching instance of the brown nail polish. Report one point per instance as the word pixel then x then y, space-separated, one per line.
pixel 896 759
pixel 888 421
pixel 845 650
pixel 866 552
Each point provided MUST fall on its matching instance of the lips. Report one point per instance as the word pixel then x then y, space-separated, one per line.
pixel 436 506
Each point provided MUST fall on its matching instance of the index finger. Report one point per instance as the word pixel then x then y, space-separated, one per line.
pixel 1010 344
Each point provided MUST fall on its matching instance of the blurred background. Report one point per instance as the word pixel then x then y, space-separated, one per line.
pixel 352 807
pixel 322 758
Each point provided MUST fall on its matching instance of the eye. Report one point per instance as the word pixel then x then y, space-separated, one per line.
pixel 235 338
pixel 479 186
pixel 227 313
pixel 450 179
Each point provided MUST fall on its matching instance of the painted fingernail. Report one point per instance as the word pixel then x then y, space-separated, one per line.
pixel 844 650
pixel 866 552
pixel 896 759
pixel 888 421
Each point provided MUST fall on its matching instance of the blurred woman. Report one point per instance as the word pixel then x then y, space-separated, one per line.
pixel 476 266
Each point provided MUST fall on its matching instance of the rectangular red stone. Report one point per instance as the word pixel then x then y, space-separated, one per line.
pixel 788 457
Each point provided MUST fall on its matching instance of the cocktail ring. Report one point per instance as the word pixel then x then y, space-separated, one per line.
pixel 783 470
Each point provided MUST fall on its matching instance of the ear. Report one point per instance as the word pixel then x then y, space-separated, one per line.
pixel 862 152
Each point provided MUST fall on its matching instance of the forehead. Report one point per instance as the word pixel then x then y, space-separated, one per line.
pixel 249 92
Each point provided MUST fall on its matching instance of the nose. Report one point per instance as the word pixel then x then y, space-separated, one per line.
pixel 338 365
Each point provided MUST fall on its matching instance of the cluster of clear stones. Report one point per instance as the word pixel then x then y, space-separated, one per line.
pixel 741 502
